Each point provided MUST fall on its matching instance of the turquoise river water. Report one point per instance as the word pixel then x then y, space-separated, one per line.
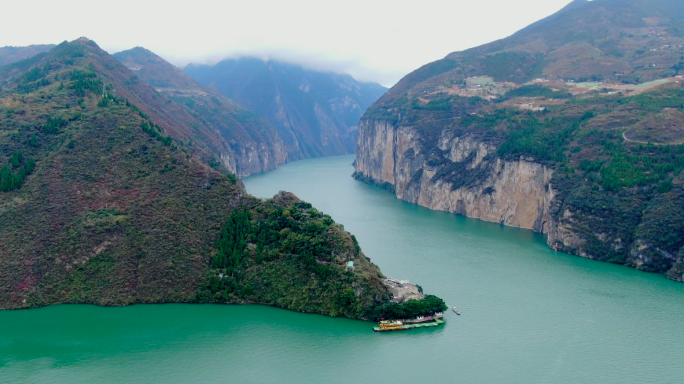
pixel 529 314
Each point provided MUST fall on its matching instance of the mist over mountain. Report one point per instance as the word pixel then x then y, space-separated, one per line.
pixel 315 113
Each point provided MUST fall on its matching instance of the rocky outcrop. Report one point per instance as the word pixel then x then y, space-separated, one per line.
pixel 251 158
pixel 402 291
pixel 470 180
pixel 562 233
pixel 677 271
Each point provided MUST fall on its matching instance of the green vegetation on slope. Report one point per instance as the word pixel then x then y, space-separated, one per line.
pixel 284 252
pixel 102 219
pixel 409 309
pixel 114 209
pixel 628 41
pixel 9 179
pixel 607 185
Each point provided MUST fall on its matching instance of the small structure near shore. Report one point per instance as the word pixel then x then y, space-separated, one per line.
pixel 350 266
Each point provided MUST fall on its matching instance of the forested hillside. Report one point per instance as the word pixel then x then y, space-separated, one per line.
pixel 573 126
pixel 104 200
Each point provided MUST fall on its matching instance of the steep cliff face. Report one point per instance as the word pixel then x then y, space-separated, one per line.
pixel 561 232
pixel 253 157
pixel 513 193
pixel 559 128
pixel 633 227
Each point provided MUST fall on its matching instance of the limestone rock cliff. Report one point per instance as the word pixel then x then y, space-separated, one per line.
pixel 253 157
pixel 513 132
pixel 402 291
pixel 461 173
pixel 513 193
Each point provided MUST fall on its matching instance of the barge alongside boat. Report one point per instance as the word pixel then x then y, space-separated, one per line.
pixel 424 319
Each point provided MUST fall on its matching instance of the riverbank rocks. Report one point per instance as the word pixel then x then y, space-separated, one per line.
pixel 402 291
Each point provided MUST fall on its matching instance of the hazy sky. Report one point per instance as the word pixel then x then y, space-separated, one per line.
pixel 373 40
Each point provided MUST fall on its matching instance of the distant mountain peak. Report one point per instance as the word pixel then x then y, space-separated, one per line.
pixel 627 41
pixel 9 55
pixel 315 112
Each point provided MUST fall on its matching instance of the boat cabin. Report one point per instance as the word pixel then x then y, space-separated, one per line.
pixel 390 324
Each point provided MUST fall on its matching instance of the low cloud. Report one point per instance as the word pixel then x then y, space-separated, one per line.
pixel 372 40
pixel 358 68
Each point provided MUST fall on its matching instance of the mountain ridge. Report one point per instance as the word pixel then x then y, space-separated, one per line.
pixel 630 24
pixel 315 113
pixel 572 127
pixel 104 201
pixel 245 143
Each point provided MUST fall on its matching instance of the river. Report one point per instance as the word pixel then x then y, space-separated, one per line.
pixel 529 314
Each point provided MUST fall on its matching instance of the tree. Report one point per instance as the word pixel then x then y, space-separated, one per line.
pixel 5 178
pixel 33 141
pixel 17 159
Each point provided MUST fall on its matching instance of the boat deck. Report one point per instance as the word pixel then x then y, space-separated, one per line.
pixel 405 327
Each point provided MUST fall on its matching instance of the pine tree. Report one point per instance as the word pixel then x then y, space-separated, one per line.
pixel 17 158
pixel 30 165
pixel 5 178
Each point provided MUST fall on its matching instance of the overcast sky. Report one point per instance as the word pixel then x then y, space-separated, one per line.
pixel 373 40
